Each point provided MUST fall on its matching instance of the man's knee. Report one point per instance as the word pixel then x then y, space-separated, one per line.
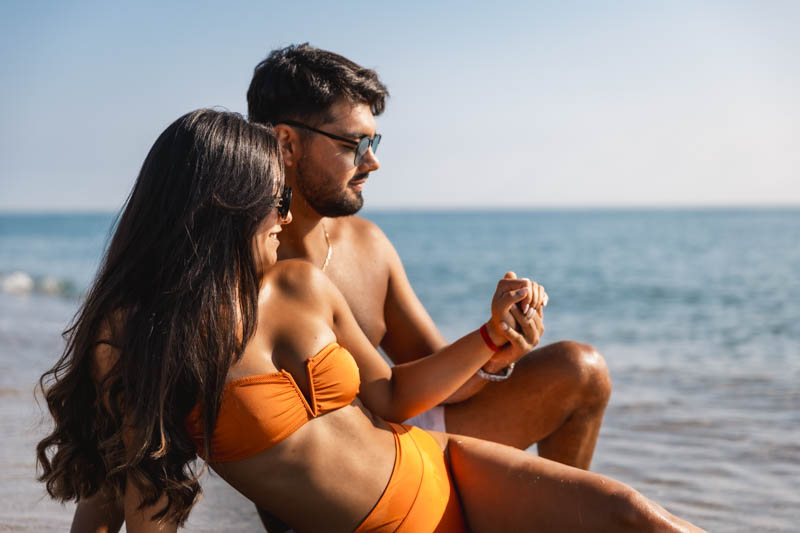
pixel 587 368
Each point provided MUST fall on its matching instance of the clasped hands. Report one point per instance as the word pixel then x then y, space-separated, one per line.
pixel 516 323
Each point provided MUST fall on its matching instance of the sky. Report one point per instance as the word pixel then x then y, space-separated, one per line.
pixel 529 105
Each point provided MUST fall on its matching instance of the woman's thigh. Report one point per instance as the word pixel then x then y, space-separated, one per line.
pixel 505 489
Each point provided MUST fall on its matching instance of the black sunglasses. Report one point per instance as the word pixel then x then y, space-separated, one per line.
pixel 284 201
pixel 361 145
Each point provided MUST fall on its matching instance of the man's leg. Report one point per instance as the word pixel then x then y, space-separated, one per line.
pixel 556 398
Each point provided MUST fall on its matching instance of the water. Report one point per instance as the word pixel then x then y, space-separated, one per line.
pixel 696 312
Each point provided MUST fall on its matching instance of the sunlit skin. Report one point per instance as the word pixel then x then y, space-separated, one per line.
pixel 370 303
pixel 557 394
pixel 299 479
pixel 265 240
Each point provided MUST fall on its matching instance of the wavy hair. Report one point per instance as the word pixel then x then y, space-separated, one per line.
pixel 176 297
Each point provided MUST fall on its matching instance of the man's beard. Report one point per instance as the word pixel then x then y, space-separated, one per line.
pixel 327 201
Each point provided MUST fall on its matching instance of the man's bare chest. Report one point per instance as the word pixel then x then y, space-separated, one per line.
pixel 363 281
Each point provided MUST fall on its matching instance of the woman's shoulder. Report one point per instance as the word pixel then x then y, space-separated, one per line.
pixel 296 278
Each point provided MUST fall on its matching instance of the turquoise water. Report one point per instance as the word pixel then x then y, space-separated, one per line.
pixel 696 311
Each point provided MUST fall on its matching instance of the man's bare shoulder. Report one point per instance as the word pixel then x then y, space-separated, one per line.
pixel 361 233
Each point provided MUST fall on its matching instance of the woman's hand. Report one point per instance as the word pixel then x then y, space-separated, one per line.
pixel 527 295
pixel 524 321
pixel 531 328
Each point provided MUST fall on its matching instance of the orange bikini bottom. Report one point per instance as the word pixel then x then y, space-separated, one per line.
pixel 420 496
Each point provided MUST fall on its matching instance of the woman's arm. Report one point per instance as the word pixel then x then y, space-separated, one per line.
pixel 399 392
pixel 102 512
pixel 140 520
pixel 98 514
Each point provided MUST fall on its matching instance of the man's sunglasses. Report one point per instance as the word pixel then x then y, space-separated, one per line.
pixel 284 201
pixel 361 145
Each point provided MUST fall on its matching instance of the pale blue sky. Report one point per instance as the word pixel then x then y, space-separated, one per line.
pixel 548 104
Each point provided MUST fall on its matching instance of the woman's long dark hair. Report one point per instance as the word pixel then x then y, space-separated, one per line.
pixel 176 297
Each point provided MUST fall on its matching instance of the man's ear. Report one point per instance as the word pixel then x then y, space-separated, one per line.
pixel 289 141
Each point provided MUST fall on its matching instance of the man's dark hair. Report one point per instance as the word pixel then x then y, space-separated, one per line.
pixel 301 82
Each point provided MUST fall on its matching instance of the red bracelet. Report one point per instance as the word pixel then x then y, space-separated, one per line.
pixel 487 339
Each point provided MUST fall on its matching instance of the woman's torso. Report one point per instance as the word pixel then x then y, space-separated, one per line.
pixel 330 471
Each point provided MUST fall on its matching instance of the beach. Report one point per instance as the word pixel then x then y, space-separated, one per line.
pixel 697 313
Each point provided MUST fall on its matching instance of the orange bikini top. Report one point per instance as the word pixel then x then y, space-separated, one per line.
pixel 261 410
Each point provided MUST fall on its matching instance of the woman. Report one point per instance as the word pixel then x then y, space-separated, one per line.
pixel 192 339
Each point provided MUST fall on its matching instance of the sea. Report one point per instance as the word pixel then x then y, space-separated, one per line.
pixel 696 311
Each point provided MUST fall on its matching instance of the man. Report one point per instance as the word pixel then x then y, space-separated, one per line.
pixel 323 108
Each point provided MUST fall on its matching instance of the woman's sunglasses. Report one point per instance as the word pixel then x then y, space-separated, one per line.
pixel 284 202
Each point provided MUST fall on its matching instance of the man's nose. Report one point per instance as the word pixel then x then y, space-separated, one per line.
pixel 369 163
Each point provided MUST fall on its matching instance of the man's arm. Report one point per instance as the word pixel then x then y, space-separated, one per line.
pixel 410 330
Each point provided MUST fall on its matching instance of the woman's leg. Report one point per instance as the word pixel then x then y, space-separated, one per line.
pixel 506 489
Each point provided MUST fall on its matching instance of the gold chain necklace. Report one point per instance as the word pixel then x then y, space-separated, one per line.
pixel 330 247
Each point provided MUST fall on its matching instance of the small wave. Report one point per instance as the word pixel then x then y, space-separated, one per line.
pixel 23 283
pixel 6 392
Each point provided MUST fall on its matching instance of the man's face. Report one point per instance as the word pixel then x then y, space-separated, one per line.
pixel 326 175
